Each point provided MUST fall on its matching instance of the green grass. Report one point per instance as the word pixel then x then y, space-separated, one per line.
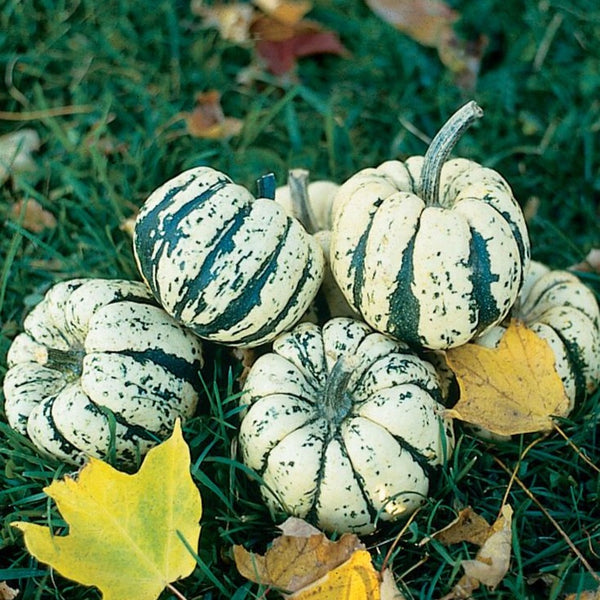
pixel 131 69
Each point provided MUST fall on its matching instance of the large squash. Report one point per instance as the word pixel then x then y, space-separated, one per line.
pixel 562 310
pixel 430 250
pixel 235 269
pixel 344 426
pixel 100 369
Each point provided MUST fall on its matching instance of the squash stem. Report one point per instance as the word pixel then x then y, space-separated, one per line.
pixel 440 148
pixel 336 402
pixel 63 360
pixel 266 186
pixel 298 186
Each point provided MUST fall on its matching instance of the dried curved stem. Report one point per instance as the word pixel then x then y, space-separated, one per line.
pixel 440 148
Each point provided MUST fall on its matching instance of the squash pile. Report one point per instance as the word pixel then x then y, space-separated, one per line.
pixel 343 417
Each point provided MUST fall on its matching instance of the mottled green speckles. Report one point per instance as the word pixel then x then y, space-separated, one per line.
pixel 348 470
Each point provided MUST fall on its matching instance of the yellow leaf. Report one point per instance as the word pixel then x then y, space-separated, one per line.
pixel 511 389
pixel 356 579
pixel 295 561
pixel 125 530
pixel 308 566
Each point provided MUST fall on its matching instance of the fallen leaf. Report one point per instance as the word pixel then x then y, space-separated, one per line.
pixel 207 119
pixel 425 21
pixel 305 565
pixel 32 215
pixel 492 560
pixel 590 264
pixel 467 527
pixel 16 151
pixel 431 23
pixel 295 561
pixel 280 55
pixel 587 595
pixel 511 389
pixel 125 531
pixel 6 592
pixel 289 12
pixel 232 20
pixel 356 579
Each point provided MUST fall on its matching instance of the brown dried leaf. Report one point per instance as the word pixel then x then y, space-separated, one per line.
pixel 292 563
pixel 6 592
pixel 207 119
pixel 32 215
pixel 467 527
pixel 590 264
pixel 430 23
pixel 511 389
pixel 425 21
pixel 279 46
pixel 491 562
pixel 587 595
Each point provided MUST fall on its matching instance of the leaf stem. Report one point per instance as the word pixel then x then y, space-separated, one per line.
pixel 175 592
pixel 440 148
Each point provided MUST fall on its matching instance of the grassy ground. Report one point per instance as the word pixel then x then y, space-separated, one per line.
pixel 129 70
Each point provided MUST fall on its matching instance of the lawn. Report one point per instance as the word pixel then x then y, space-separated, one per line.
pixel 106 86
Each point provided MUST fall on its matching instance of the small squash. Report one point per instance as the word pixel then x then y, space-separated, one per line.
pixel 344 426
pixel 562 310
pixel 312 203
pixel 234 269
pixel 100 368
pixel 430 251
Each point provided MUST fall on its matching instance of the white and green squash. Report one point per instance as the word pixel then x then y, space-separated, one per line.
pixel 562 310
pixel 311 203
pixel 431 251
pixel 233 268
pixel 100 370
pixel 344 426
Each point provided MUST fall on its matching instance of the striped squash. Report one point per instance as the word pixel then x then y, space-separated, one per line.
pixel 100 370
pixel 344 426
pixel 562 310
pixel 234 269
pixel 430 250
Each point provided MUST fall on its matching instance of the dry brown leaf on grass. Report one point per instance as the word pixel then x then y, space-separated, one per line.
pixel 492 561
pixel 467 527
pixel 276 29
pixel 6 592
pixel 511 389
pixel 306 565
pixel 587 595
pixel 431 23
pixel 32 215
pixel 207 119
pixel 590 264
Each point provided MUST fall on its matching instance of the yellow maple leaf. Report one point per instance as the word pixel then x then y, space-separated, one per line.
pixel 511 389
pixel 125 531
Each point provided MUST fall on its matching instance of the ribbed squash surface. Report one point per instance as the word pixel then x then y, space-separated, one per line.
pixel 100 369
pixel 346 457
pixel 234 269
pixel 431 275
